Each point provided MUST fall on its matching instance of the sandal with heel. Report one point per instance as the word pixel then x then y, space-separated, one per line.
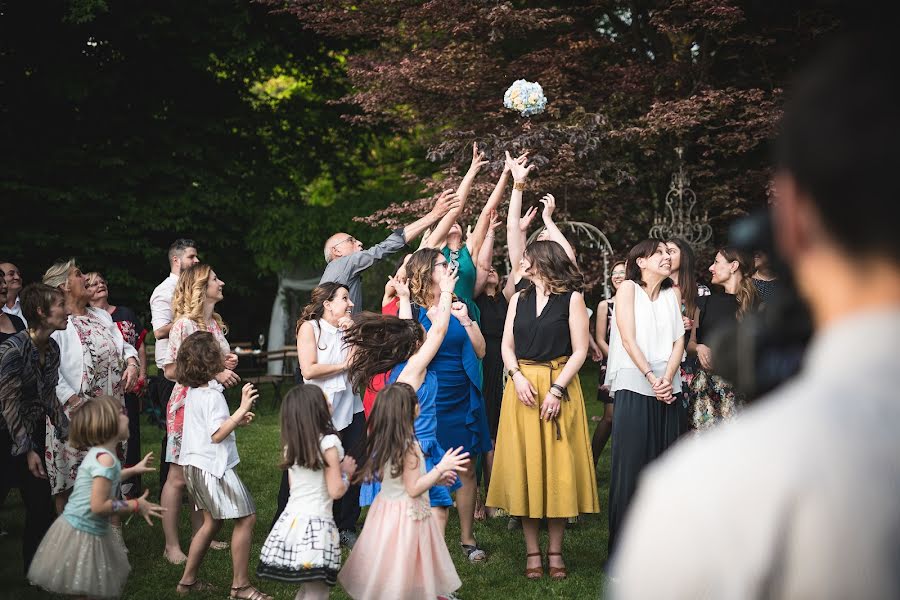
pixel 534 572
pixel 557 573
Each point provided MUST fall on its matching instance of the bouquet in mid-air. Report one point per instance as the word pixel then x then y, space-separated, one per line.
pixel 525 97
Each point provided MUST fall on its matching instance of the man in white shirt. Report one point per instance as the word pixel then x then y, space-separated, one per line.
pixel 182 254
pixel 14 286
pixel 800 496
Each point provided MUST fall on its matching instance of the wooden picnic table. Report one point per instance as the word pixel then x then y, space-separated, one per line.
pixel 253 366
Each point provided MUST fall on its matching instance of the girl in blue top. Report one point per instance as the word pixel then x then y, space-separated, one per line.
pixel 78 556
pixel 400 345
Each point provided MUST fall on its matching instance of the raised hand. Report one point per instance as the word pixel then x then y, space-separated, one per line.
pixel 400 286
pixel 496 221
pixel 249 395
pixel 549 203
pixel 149 509
pixel 527 218
pixel 144 466
pixel 454 460
pixel 460 311
pixel 448 279
pixel 478 160
pixel 447 201
pixel 519 170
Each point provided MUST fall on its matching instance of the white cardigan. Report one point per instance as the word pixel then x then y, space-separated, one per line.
pixel 71 354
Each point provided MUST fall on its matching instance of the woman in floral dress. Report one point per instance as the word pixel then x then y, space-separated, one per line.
pixel 95 360
pixel 196 294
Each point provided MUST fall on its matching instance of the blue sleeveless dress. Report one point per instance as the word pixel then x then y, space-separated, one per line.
pixel 426 430
pixel 461 415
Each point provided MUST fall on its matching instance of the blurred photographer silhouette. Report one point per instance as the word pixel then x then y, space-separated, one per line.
pixel 798 497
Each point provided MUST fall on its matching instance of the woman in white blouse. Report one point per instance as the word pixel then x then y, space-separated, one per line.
pixel 323 362
pixel 646 346
pixel 94 361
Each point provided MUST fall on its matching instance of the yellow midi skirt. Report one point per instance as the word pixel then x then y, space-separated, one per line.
pixel 543 468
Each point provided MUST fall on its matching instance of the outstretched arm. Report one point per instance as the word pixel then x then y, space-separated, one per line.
pixel 414 372
pixel 485 256
pixel 439 236
pixel 482 225
pixel 553 232
pixel 446 203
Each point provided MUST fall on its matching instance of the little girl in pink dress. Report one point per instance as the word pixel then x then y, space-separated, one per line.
pixel 419 564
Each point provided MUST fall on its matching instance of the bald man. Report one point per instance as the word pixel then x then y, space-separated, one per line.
pixel 347 259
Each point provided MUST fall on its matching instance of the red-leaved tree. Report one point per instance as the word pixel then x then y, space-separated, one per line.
pixel 627 83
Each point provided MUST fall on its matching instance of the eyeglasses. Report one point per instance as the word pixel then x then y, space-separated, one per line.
pixel 454 259
pixel 614 273
pixel 344 241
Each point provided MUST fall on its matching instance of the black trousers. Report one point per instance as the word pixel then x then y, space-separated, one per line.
pixel 159 391
pixel 346 510
pixel 133 454
pixel 39 509
pixel 643 428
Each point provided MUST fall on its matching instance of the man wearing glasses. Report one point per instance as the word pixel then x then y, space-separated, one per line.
pixel 347 259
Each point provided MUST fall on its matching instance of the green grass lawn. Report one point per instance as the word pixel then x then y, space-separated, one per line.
pixel 154 578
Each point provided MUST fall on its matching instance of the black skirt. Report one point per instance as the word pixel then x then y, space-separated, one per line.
pixel 492 383
pixel 643 428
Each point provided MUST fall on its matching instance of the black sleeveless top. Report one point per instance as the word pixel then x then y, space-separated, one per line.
pixel 17 324
pixel 545 337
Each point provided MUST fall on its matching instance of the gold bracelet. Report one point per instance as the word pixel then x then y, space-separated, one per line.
pixel 519 185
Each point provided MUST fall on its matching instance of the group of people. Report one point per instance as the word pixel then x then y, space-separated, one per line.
pixel 461 380
pixel 462 374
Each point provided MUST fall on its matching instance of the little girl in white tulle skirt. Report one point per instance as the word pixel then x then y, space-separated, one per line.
pixel 418 564
pixel 79 556
pixel 304 544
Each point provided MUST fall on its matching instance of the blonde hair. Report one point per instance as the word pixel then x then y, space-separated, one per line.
pixel 420 271
pixel 190 292
pixel 57 275
pixel 95 423
pixel 93 276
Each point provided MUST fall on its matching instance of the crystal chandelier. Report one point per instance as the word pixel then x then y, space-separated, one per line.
pixel 680 203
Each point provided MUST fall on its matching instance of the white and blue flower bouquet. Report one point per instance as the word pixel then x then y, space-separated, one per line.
pixel 525 97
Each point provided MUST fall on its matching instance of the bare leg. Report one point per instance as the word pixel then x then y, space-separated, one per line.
pixel 441 514
pixel 602 433
pixel 465 505
pixel 240 550
pixel 557 530
pixel 315 590
pixel 532 542
pixel 199 545
pixel 170 499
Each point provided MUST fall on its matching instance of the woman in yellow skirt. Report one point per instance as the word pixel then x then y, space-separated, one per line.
pixel 542 463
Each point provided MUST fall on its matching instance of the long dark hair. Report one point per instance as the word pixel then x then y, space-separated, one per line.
pixel 380 342
pixel 687 276
pixel 644 249
pixel 746 293
pixel 552 265
pixel 391 431
pixel 321 294
pixel 305 418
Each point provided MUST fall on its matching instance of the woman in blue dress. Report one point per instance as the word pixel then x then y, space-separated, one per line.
pixel 461 416
pixel 400 345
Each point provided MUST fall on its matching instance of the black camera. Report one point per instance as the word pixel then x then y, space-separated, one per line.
pixel 767 346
